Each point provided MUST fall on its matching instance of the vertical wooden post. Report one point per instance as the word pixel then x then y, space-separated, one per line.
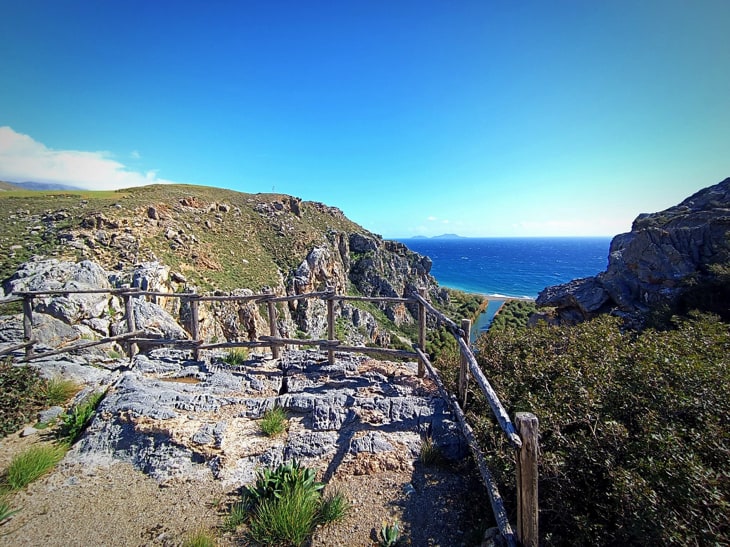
pixel 28 323
pixel 271 309
pixel 421 332
pixel 331 325
pixel 195 325
pixel 132 348
pixel 527 506
pixel 464 365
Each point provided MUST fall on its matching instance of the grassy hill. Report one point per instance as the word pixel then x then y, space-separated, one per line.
pixel 219 239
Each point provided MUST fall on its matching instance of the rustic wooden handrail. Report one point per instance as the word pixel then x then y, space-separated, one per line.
pixel 495 498
pixel 523 438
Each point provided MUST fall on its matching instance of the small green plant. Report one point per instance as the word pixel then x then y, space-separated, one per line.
pixel 58 391
pixel 390 534
pixel 236 357
pixel 199 538
pixel 236 517
pixel 113 354
pixel 273 422
pixel 287 519
pixel 333 507
pixel 6 511
pixel 76 421
pixel 32 464
pixel 283 504
pixel 430 453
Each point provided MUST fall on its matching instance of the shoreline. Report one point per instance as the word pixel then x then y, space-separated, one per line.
pixel 488 296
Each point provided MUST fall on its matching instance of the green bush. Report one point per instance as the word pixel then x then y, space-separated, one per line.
pixel 333 507
pixel 32 464
pixel 22 395
pixel 633 427
pixel 513 314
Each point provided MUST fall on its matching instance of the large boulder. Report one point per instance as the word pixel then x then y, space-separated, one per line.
pixel 666 258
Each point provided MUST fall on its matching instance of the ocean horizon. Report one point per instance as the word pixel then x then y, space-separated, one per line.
pixel 511 267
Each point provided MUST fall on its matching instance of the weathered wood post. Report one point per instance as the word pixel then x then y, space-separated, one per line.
pixel 271 310
pixel 421 332
pixel 28 323
pixel 330 323
pixel 464 364
pixel 132 348
pixel 195 325
pixel 526 424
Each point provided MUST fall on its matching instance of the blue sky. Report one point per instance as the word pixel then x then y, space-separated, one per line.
pixel 480 118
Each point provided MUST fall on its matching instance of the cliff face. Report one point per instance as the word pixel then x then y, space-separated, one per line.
pixel 672 260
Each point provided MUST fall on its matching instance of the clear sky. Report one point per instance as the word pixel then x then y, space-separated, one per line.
pixel 509 118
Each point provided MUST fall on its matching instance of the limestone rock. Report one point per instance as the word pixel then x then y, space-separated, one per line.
pixel 657 263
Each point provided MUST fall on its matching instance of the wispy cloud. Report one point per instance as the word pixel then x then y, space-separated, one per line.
pixel 24 159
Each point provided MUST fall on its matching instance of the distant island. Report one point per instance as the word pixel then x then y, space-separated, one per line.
pixel 442 236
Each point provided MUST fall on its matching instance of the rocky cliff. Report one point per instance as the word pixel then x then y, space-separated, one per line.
pixel 670 261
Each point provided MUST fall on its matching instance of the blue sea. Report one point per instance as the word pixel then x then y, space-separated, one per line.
pixel 511 267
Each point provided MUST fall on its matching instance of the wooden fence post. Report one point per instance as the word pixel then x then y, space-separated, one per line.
pixel 195 325
pixel 527 506
pixel 28 323
pixel 132 348
pixel 464 364
pixel 271 309
pixel 421 332
pixel 331 325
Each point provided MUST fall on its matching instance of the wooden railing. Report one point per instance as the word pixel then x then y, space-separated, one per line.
pixel 522 433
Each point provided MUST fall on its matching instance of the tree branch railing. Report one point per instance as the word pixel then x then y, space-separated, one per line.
pixel 522 435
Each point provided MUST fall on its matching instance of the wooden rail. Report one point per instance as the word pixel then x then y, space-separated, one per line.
pixel 523 437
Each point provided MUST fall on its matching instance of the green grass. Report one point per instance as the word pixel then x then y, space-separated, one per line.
pixel 236 357
pixel 6 510
pixel 58 391
pixel 430 454
pixel 288 519
pixel 199 538
pixel 32 464
pixel 273 422
pixel 334 507
pixel 236 517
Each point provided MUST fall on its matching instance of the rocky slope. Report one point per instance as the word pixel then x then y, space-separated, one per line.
pixel 190 238
pixel 670 261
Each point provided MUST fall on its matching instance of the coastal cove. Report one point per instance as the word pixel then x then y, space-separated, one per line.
pixel 505 268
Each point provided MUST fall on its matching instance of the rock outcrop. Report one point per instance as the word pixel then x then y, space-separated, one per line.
pixel 670 260
pixel 172 417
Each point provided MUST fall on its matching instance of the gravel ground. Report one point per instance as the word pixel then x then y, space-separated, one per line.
pixel 117 505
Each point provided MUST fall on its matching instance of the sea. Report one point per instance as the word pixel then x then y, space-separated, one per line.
pixel 503 268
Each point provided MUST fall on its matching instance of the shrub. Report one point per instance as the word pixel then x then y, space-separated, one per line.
pixel 633 428
pixel 32 464
pixel 389 534
pixel 273 422
pixel 22 395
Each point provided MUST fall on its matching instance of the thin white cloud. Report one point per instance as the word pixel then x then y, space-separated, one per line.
pixel 24 159
pixel 135 155
pixel 432 218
